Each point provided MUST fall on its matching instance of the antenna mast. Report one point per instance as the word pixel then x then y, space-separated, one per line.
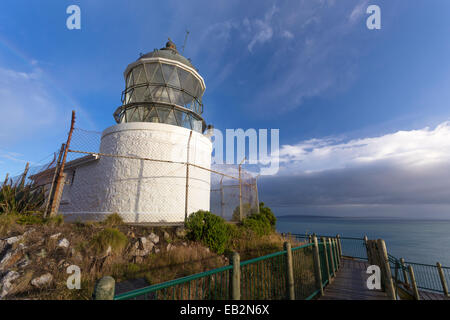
pixel 185 40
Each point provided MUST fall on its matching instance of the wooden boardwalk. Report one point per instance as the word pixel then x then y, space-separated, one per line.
pixel 350 283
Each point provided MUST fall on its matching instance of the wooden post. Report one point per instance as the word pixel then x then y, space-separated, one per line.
pixel 186 200
pixel 333 270
pixel 369 258
pixel 52 186
pixel 405 275
pixel 413 283
pixel 336 253
pixel 59 181
pixel 325 254
pixel 443 281
pixel 289 272
pixel 386 268
pixel 338 237
pixel 236 277
pixel 24 175
pixel 317 267
pixel 105 289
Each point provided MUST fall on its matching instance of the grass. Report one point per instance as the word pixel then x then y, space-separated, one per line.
pixel 108 237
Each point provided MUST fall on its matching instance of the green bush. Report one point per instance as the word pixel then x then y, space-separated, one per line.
pixel 261 223
pixel 108 237
pixel 208 228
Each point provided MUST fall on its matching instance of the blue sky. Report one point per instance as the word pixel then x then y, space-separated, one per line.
pixel 310 68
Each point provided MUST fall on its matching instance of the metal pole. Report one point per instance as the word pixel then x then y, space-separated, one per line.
pixel 222 198
pixel 289 272
pixel 443 281
pixel 59 181
pixel 187 178
pixel 241 208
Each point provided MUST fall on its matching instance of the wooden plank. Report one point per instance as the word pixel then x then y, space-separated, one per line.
pixel 351 283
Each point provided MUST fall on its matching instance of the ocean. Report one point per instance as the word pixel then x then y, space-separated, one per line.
pixel 422 241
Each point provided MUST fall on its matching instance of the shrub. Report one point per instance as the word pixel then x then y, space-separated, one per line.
pixel 113 220
pixel 208 228
pixel 261 223
pixel 108 237
pixel 20 197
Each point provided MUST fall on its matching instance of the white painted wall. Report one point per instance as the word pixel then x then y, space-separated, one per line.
pixel 142 191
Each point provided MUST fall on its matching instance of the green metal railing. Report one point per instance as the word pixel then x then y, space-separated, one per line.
pixel 262 278
pixel 351 247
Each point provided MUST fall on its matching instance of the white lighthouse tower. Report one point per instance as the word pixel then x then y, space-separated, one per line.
pixel 159 126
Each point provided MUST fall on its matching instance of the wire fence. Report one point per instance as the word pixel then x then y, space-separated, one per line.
pixel 156 181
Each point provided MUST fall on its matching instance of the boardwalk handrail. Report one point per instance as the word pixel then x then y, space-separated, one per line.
pixel 261 278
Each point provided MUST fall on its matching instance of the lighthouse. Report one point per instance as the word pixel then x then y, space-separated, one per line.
pixel 140 171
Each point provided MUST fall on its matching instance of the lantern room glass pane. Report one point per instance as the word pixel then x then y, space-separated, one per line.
pixel 171 118
pixel 158 76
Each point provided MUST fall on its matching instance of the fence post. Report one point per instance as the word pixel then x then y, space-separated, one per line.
pixel 413 283
pixel 325 254
pixel 366 243
pixel 289 272
pixel 60 179
pixel 443 281
pixel 405 275
pixel 339 245
pixel 382 251
pixel 333 270
pixel 336 254
pixel 317 269
pixel 236 277
pixel 105 289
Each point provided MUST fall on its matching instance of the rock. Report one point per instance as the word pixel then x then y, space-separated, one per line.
pixel 24 262
pixel 130 234
pixel 142 247
pixel 184 244
pixel 157 250
pixel 10 257
pixel 6 283
pixel 55 236
pixel 42 281
pixel 166 236
pixel 63 243
pixel 180 232
pixel 170 247
pixel 13 240
pixel 153 238
pixel 108 251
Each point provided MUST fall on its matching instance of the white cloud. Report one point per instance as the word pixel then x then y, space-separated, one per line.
pixel 264 29
pixel 358 11
pixel 287 34
pixel 409 149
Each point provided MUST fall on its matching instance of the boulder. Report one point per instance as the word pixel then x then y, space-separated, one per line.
pixel 63 243
pixel 42 281
pixel 142 247
pixel 153 238
pixel 181 232
pixel 6 283
pixel 166 236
